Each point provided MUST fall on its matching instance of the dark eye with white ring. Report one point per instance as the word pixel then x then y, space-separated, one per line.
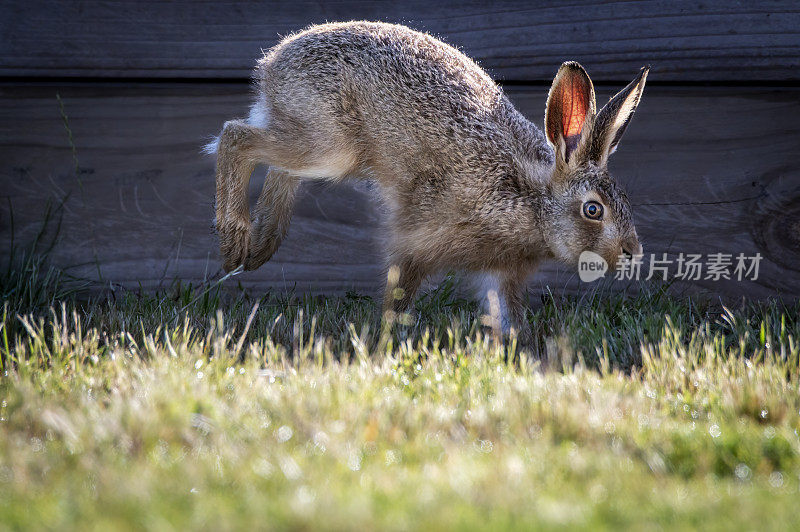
pixel 593 210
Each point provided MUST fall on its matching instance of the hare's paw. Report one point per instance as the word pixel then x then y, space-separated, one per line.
pixel 234 243
pixel 265 239
pixel 258 257
pixel 524 334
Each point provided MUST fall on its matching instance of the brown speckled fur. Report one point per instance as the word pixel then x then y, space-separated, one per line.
pixel 469 182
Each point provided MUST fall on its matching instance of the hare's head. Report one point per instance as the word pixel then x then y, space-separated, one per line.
pixel 588 209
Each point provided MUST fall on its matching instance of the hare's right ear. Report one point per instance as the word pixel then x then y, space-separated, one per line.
pixel 570 110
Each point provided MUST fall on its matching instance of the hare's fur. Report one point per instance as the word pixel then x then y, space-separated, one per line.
pixel 469 182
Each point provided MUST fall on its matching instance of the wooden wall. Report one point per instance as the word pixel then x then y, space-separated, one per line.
pixel 685 41
pixel 710 160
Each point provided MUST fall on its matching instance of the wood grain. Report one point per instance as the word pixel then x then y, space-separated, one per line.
pixel 685 41
pixel 707 169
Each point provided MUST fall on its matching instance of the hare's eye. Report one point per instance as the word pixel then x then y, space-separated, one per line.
pixel 593 210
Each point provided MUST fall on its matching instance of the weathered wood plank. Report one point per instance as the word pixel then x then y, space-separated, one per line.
pixel 708 170
pixel 686 41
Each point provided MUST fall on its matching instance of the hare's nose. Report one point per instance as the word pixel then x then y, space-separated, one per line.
pixel 632 249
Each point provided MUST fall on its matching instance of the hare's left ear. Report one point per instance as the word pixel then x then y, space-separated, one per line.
pixel 613 118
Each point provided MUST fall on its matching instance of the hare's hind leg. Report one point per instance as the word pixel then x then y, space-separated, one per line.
pixel 240 148
pixel 271 216
pixel 237 156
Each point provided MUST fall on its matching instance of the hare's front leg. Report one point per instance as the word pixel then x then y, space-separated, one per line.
pixel 512 290
pixel 504 303
pixel 404 279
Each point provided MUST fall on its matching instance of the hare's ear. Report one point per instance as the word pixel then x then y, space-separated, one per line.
pixel 570 110
pixel 613 118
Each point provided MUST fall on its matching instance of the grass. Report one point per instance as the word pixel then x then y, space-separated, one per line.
pixel 168 411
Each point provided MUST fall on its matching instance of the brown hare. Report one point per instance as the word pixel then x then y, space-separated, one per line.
pixel 469 182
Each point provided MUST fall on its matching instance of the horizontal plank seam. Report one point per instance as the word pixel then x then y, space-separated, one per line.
pixel 44 79
pixel 721 202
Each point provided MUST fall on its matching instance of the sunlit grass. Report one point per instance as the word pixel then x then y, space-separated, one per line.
pixel 170 412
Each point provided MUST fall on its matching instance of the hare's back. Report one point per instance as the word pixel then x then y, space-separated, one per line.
pixel 377 64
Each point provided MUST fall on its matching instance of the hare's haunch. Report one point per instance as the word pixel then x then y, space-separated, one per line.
pixel 470 183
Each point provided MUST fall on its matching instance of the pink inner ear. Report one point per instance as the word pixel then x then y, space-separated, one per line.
pixel 574 105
